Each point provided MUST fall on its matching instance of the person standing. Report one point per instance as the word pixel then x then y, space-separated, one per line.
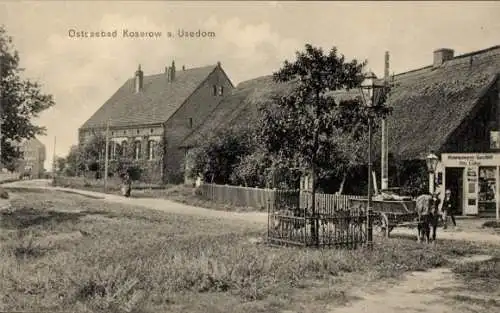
pixel 448 209
pixel 126 185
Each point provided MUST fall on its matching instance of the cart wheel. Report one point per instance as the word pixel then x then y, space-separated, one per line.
pixel 379 224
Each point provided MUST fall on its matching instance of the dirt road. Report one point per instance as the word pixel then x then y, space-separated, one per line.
pixel 434 291
pixel 257 218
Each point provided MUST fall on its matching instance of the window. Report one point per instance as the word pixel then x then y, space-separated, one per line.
pixel 138 131
pixel 124 148
pixel 137 150
pixel 214 90
pixel 221 90
pixel 152 130
pixel 151 150
pixel 494 139
pixel 117 151
pixel 190 122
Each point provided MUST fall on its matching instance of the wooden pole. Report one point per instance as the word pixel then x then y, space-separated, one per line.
pixel 385 155
pixel 498 194
pixel 54 158
pixel 106 157
pixel 1 109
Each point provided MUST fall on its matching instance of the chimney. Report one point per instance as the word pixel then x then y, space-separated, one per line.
pixel 139 77
pixel 218 63
pixel 442 55
pixel 172 71
pixel 168 73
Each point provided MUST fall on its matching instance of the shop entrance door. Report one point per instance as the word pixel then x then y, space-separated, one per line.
pixel 454 182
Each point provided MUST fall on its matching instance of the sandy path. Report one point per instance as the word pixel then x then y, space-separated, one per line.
pixel 418 292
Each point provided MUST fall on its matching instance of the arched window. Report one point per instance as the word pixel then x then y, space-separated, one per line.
pixel 151 150
pixel 137 149
pixel 221 90
pixel 214 90
pixel 115 150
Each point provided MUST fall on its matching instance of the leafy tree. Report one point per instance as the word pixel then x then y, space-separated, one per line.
pixel 74 161
pixel 13 164
pixel 308 127
pixel 22 100
pixel 217 157
pixel 60 165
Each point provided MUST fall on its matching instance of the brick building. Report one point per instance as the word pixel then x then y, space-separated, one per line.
pixel 33 154
pixel 150 115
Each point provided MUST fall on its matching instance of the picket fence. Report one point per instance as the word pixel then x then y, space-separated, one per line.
pixel 260 198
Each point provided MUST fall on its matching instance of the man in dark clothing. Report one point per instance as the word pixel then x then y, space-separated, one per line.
pixel 448 209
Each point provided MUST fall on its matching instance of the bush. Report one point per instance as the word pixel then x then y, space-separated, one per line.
pixel 134 172
pixel 94 166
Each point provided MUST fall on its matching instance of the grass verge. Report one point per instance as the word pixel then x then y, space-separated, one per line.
pixel 63 252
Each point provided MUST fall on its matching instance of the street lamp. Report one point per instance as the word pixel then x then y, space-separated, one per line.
pixel 432 161
pixel 371 99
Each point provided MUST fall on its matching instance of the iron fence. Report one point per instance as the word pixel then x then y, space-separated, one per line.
pixel 341 227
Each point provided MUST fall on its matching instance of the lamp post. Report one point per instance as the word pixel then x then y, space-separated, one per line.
pixel 431 161
pixel 371 100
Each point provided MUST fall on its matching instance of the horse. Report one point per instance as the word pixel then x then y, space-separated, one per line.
pixel 427 217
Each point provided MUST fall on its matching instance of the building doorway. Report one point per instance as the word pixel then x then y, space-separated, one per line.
pixel 454 182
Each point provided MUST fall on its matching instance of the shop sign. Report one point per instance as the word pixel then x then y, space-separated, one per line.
pixel 471 159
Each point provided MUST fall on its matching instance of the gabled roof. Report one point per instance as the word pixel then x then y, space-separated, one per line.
pixel 155 104
pixel 239 108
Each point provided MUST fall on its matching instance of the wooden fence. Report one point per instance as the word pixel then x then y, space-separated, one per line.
pixel 260 198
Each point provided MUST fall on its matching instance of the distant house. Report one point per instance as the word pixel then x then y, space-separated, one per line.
pixel 149 116
pixel 450 108
pixel 33 154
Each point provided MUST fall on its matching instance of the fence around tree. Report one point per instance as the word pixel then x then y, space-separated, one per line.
pixel 290 219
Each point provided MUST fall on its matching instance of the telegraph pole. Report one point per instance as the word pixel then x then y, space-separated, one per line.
pixel 106 157
pixel 385 153
pixel 54 167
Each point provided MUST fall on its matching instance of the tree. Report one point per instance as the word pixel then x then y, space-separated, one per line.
pixel 13 164
pixel 60 165
pixel 309 127
pixel 21 100
pixel 217 157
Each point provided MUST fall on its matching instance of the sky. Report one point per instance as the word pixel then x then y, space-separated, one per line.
pixel 251 39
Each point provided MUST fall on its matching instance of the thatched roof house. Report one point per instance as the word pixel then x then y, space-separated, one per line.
pixel 445 107
pixel 239 108
pixel 448 106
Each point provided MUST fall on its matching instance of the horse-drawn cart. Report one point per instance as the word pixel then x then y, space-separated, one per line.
pixel 389 214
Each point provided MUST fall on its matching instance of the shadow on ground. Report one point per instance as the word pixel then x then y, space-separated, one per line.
pixel 22 218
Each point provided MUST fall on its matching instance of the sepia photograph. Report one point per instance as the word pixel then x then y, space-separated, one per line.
pixel 250 156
